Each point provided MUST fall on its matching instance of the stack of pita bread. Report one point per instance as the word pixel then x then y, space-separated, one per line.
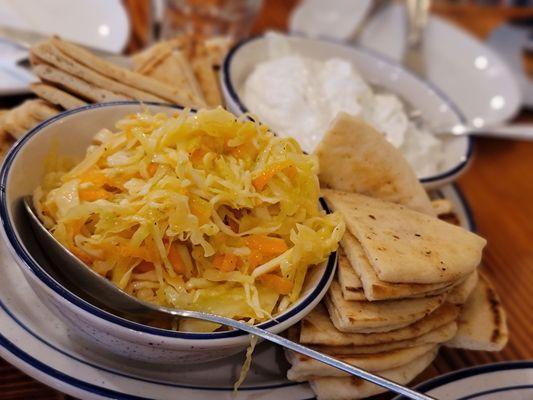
pixel 176 72
pixel 406 283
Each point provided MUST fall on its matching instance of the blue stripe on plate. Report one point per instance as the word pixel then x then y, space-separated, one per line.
pixel 503 389
pixel 95 366
pixel 468 372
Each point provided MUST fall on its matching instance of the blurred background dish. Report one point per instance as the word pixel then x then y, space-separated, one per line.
pixel 376 70
pixel 101 24
pixel 468 71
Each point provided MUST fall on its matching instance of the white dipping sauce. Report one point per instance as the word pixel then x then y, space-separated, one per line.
pixel 299 97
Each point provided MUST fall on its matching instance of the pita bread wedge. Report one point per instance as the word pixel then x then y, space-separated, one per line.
pixel 405 246
pixel 19 120
pixel 123 75
pixel 175 70
pixel 383 316
pixel 207 79
pixel 56 96
pixel 317 329
pixel 351 388
pixel 41 109
pixel 75 85
pixel 376 289
pixel 442 206
pixel 460 293
pixel 304 368
pixel 482 324
pixel 45 52
pixel 352 288
pixel 354 157
pixel 439 335
pixel 217 48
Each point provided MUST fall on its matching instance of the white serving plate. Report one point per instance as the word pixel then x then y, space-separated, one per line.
pixel 499 381
pixel 469 72
pixel 35 340
pixel 101 24
pixel 377 70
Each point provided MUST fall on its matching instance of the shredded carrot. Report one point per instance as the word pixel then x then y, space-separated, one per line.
pixel 266 245
pixel 144 266
pixel 201 209
pixel 197 155
pixel 277 283
pixel 152 168
pixel 93 194
pixel 93 176
pixel 266 175
pixel 225 262
pixel 175 259
pixel 255 258
pixel 83 256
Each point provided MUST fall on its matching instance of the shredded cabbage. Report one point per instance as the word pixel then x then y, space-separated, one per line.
pixel 198 211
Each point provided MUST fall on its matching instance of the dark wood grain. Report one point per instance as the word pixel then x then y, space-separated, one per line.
pixel 498 186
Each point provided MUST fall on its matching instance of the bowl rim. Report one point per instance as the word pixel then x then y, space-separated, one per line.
pixel 20 251
pixel 432 179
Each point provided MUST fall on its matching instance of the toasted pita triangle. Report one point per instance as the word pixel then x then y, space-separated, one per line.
pixel 459 294
pixel 354 157
pixel 317 329
pixel 439 335
pixel 304 368
pixel 383 316
pixel 482 323
pixel 351 388
pixel 375 288
pixel 405 246
pixel 351 286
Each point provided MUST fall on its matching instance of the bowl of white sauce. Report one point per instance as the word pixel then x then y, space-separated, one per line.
pixel 297 85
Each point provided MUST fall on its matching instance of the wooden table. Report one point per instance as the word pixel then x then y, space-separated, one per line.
pixel 499 188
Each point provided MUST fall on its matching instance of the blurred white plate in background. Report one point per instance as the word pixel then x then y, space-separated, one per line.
pixel 101 24
pixel 469 72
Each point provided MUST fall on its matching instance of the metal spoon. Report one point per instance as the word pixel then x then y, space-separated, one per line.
pixel 110 295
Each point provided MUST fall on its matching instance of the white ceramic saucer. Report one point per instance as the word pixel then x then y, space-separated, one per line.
pixel 500 381
pixel 100 24
pixel 472 75
pixel 34 340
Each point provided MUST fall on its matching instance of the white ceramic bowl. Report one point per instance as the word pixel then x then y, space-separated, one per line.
pixel 23 169
pixel 376 69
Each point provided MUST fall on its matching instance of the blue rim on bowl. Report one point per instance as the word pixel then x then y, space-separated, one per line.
pixel 51 283
pixel 228 85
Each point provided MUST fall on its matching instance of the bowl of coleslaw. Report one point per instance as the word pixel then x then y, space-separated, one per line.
pixel 193 210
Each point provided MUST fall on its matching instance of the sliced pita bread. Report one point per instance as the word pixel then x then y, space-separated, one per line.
pixel 175 71
pixel 56 96
pixel 10 125
pixel 352 288
pixel 383 316
pixel 207 79
pixel 317 329
pixel 217 48
pixel 123 75
pixel 482 323
pixel 439 335
pixel 41 109
pixel 376 289
pixel 460 293
pixel 304 368
pixel 354 157
pixel 405 246
pixel 351 388
pixel 19 119
pixel 75 85
pixel 442 206
pixel 45 52
pixel 157 54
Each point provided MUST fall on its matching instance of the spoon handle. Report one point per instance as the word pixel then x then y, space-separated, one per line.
pixel 284 342
pixel 513 131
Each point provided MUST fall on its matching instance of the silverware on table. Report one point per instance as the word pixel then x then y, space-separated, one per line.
pixel 417 18
pixel 111 296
